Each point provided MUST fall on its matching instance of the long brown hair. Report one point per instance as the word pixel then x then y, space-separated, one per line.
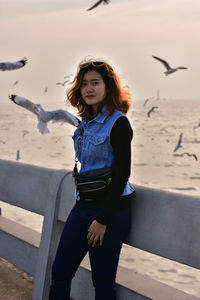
pixel 116 96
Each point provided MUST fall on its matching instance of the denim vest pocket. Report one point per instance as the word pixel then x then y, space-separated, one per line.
pixel 97 140
pixel 98 147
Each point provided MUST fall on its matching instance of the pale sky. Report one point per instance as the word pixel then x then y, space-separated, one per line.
pixel 55 35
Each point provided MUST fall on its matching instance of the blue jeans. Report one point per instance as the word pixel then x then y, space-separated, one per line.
pixel 73 246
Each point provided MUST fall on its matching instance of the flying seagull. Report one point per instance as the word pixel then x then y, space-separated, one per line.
pixel 9 66
pixel 62 83
pixel 68 76
pixel 145 102
pixel 98 3
pixel 195 127
pixel 44 116
pixel 188 154
pixel 16 82
pixel 151 110
pixel 25 132
pixel 167 66
pixel 18 155
pixel 179 142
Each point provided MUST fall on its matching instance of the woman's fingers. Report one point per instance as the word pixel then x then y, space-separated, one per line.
pixel 93 239
pixel 89 234
pixel 96 231
pixel 101 239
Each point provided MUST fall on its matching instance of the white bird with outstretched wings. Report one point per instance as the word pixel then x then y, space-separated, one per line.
pixel 45 116
pixel 170 70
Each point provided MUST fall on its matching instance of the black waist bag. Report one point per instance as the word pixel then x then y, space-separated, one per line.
pixel 93 183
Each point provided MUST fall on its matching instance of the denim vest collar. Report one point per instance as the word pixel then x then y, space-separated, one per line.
pixel 100 118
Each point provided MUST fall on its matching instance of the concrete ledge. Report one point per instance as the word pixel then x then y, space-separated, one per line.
pixel 133 285
pixel 82 288
pixel 21 232
pixel 147 286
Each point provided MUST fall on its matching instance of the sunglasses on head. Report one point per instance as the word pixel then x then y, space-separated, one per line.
pixel 95 64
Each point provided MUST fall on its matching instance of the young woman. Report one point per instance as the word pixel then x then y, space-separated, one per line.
pixel 103 139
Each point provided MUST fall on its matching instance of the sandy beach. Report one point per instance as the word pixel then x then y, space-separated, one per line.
pixel 153 165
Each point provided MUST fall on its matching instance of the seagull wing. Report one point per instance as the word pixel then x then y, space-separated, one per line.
pixel 66 81
pixel 182 68
pixel 167 66
pixel 34 108
pixel 176 148
pixel 179 143
pixel 68 76
pixel 180 139
pixel 195 127
pixel 95 5
pixel 5 66
pixel 195 156
pixel 16 82
pixel 149 112
pixel 61 115
pixel 18 155
pixel 9 66
pixel 25 103
pixel 154 107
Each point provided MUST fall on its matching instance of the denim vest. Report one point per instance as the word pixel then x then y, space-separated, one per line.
pixel 92 143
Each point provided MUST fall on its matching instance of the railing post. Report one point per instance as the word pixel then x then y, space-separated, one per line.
pixel 50 237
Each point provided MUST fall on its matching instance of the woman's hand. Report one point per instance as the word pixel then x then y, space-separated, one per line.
pixel 96 231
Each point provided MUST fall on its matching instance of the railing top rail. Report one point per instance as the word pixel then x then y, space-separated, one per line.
pixel 27 186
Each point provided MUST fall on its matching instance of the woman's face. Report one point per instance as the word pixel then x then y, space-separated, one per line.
pixel 93 89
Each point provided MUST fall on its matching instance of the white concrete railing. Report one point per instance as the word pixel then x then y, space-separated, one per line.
pixel 163 223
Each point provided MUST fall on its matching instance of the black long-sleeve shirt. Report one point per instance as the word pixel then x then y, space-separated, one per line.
pixel 120 138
